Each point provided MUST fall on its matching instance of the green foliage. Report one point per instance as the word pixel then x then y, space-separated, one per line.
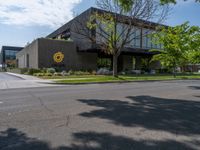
pixel 104 63
pixel 50 70
pixel 31 71
pixel 173 1
pixel 43 74
pixel 48 74
pixel 57 74
pixel 194 57
pixel 23 70
pixel 126 4
pixel 81 73
pixel 39 74
pixel 106 23
pixel 181 45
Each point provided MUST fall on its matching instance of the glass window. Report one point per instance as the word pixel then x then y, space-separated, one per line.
pixel 10 54
pixel 137 37
pixel 147 41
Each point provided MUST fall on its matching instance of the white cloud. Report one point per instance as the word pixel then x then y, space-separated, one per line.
pixel 51 13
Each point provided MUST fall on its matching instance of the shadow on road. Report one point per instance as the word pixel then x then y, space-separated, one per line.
pixel 194 87
pixel 12 139
pixel 171 115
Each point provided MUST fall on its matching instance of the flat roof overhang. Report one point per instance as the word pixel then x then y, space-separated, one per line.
pixel 126 51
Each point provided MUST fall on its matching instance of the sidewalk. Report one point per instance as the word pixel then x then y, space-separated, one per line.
pixel 26 82
pixel 25 77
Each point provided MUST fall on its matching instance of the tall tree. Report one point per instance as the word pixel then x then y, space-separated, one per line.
pixel 180 45
pixel 117 28
pixel 172 1
pixel 127 3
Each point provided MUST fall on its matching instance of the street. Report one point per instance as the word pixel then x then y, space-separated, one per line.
pixel 130 116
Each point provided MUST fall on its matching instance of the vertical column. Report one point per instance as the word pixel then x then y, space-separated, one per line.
pixel 138 62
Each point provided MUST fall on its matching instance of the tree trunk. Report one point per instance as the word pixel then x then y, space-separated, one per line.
pixel 115 65
pixel 174 69
pixel 174 72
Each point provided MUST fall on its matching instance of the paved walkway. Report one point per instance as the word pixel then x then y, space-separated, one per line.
pixel 13 81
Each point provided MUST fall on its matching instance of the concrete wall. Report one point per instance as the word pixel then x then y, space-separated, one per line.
pixel 41 53
pixel 32 51
pixel 77 28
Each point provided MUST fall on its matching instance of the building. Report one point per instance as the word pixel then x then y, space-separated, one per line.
pixel 67 49
pixel 8 56
pixel 46 53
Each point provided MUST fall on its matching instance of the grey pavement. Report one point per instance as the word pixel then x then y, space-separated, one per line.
pixel 6 76
pixel 129 116
pixel 13 81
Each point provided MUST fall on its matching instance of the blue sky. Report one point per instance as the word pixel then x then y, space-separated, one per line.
pixel 22 21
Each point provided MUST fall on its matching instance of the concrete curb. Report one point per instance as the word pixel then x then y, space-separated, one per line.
pixel 13 74
pixel 120 82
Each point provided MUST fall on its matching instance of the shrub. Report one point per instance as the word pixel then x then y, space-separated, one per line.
pixel 44 70
pixel 81 73
pixel 70 72
pixel 38 74
pixel 57 74
pixel 94 73
pixel 64 73
pixel 32 71
pixel 51 70
pixel 48 74
pixel 23 70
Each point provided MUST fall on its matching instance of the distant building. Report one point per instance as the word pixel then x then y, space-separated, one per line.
pixel 56 50
pixel 8 56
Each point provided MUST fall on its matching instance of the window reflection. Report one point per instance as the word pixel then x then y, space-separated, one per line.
pixel 10 54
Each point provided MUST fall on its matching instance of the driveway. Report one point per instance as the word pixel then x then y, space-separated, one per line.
pixel 130 116
pixel 14 81
pixel 7 77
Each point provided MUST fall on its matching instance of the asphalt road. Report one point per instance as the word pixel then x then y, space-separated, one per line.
pixel 130 116
pixel 7 77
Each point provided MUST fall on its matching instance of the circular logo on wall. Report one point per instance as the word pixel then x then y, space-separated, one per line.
pixel 58 57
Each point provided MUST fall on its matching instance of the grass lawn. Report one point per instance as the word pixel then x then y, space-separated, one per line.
pixel 121 78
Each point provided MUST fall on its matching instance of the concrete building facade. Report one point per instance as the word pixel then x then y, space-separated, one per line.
pixel 8 56
pixel 41 53
pixel 81 53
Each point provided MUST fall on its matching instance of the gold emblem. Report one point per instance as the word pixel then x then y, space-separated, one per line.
pixel 58 57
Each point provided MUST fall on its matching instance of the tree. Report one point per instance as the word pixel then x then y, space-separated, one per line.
pixel 127 3
pixel 193 53
pixel 180 45
pixel 173 1
pixel 116 27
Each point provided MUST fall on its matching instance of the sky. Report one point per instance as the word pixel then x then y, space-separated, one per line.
pixel 22 21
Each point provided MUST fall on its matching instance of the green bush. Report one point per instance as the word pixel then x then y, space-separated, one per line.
pixel 51 70
pixel 48 74
pixel 57 74
pixel 23 70
pixel 70 72
pixel 32 71
pixel 81 73
pixel 44 70
pixel 43 74
pixel 39 74
pixel 94 73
